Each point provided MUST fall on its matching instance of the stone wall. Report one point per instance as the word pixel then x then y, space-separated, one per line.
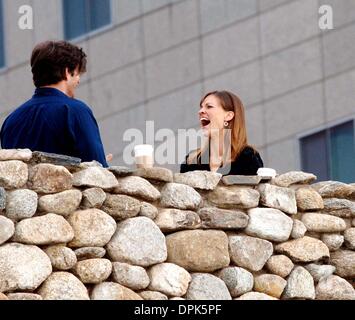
pixel 71 230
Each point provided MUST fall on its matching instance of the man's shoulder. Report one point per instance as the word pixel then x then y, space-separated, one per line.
pixel 77 105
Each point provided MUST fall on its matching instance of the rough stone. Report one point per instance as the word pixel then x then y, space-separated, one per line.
pixel 89 253
pixel 133 277
pixel 241 180
pixel 155 173
pixel 339 207
pixel 93 198
pixel 63 286
pixel 169 279
pixel 238 280
pixel 205 180
pixel 2 198
pixel 349 237
pixel 332 241
pixel 24 296
pixel 204 286
pixel 62 257
pixel 215 218
pixel 333 189
pixel 234 197
pixel 3 297
pixel 7 229
pixel 48 229
pixel 319 271
pixel 95 177
pixel 53 158
pixel 298 229
pixel 113 291
pixel 319 222
pixel 120 206
pixel 21 204
pixel 280 265
pixel 308 199
pixel 198 250
pixel 138 241
pixel 294 177
pixel 22 267
pixel 121 171
pixel 62 203
pixel 148 210
pixel 276 197
pixel 179 196
pixel 269 224
pixel 152 295
pixel 93 270
pixel 138 187
pixel 255 296
pixel 344 261
pixel 13 174
pixel 175 219
pixel 334 288
pixel 249 252
pixel 305 249
pixel 270 284
pixel 92 228
pixel 15 154
pixel 300 285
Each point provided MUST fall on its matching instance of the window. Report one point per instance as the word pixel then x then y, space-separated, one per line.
pixel 84 16
pixel 330 153
pixel 2 49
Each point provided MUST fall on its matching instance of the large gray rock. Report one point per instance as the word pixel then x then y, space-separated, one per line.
pixel 215 218
pixel 49 178
pixel 204 286
pixel 280 265
pixel 148 210
pixel 24 296
pixel 300 285
pixel 13 174
pixel 198 250
pixel 120 206
pixel 2 198
pixel 294 177
pixel 234 197
pixel 15 154
pixel 95 177
pixel 92 228
pixel 63 286
pixel 54 158
pixel 93 198
pixel 93 270
pixel 89 253
pixel 153 295
pixel 308 199
pixel 349 237
pixel 133 277
pixel 344 261
pixel 175 219
pixel 22 267
pixel 169 279
pixel 270 284
pixel 334 288
pixel 113 291
pixel 339 207
pixel 333 189
pixel 298 229
pixel 319 222
pixel 138 187
pixel 276 197
pixel 179 196
pixel 155 173
pixel 332 240
pixel 48 229
pixel 304 249
pixel 62 203
pixel 62 257
pixel 7 229
pixel 238 280
pixel 241 180
pixel 319 271
pixel 138 241
pixel 269 224
pixel 255 296
pixel 249 252
pixel 204 180
pixel 121 171
pixel 21 204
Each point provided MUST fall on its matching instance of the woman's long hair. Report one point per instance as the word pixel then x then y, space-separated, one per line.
pixel 239 140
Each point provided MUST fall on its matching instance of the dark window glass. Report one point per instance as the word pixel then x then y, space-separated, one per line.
pixel 2 48
pixel 84 16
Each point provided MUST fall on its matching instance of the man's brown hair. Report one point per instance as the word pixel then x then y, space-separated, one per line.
pixel 50 59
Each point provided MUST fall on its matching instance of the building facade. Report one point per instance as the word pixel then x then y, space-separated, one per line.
pixel 153 60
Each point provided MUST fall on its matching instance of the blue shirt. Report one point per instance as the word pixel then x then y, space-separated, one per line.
pixel 53 122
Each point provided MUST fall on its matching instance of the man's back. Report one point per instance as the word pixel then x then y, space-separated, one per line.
pixel 53 122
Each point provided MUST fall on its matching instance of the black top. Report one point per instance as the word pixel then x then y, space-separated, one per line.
pixel 247 163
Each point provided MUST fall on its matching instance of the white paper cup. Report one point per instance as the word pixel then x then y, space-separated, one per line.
pixel 143 154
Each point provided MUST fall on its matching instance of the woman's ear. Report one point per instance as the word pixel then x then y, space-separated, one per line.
pixel 229 116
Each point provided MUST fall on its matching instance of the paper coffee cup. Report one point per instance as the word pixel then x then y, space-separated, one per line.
pixel 143 155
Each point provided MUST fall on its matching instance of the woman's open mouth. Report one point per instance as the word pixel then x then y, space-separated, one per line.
pixel 204 122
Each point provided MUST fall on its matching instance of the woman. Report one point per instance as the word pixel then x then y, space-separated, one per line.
pixel 226 148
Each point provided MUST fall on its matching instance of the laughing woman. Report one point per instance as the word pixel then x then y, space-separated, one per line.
pixel 226 148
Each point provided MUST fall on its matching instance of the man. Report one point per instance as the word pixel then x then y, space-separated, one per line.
pixel 52 120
